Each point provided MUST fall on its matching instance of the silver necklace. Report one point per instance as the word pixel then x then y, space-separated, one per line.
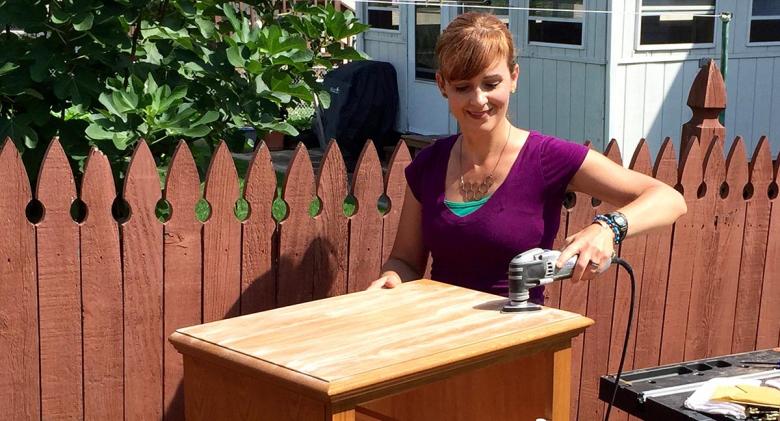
pixel 471 191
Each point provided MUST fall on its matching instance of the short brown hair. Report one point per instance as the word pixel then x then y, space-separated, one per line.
pixel 472 42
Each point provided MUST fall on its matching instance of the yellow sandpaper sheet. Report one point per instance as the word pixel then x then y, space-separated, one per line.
pixel 749 395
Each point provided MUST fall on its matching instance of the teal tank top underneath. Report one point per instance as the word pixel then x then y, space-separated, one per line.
pixel 465 208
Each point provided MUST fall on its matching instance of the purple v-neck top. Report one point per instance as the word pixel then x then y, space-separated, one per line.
pixel 474 251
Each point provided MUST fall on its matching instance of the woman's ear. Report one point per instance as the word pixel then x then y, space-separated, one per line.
pixel 441 84
pixel 515 74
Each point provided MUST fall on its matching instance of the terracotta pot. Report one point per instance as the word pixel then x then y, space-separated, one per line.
pixel 274 141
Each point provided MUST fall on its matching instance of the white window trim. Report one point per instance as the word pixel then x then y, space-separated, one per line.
pixel 384 7
pixel 581 46
pixel 671 10
pixel 751 18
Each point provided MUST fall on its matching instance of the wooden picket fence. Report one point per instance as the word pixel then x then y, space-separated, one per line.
pixel 85 308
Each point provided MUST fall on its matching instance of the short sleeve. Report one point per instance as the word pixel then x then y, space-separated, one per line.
pixel 415 172
pixel 560 160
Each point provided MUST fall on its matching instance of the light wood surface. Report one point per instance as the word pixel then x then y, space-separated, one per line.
pixel 350 347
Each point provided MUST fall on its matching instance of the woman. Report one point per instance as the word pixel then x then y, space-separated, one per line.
pixel 477 199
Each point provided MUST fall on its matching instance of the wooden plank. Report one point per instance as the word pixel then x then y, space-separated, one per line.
pixel 769 317
pixel 101 289
pixel 395 190
pixel 548 81
pixel 332 226
pixel 221 240
pixel 746 318
pixel 258 272
pixel 296 233
pixel 707 306
pixel 59 289
pixel 552 292
pixel 577 101
pixel 574 295
pixel 563 99
pixel 365 226
pixel 19 366
pixel 601 299
pixel 633 251
pixel 686 238
pixel 652 295
pixel 182 270
pixel 142 263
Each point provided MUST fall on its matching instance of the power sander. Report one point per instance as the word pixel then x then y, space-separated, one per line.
pixel 530 269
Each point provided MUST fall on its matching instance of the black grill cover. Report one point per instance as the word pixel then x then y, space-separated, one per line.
pixel 364 105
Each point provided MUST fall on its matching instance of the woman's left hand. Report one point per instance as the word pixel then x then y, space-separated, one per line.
pixel 594 246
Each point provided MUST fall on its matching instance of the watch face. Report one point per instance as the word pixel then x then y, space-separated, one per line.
pixel 619 219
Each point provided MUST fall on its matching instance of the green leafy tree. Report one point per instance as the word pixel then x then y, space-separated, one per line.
pixel 108 73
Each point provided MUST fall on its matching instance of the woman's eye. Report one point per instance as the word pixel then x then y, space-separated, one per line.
pixel 491 86
pixel 461 88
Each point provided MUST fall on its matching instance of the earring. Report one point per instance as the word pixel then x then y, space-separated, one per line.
pixel 444 95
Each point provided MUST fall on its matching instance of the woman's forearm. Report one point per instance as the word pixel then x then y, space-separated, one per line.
pixel 656 207
pixel 402 269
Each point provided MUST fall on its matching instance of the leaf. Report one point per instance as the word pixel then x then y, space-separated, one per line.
pixel 324 98
pixel 260 85
pixel 8 67
pixel 230 14
pixel 209 117
pixel 96 131
pixel 178 93
pixel 234 56
pixel 108 102
pixel 206 27
pixel 197 131
pixel 85 23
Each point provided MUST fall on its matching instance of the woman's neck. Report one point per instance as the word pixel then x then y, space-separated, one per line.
pixel 479 145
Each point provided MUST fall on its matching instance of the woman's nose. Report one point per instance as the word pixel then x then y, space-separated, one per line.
pixel 479 97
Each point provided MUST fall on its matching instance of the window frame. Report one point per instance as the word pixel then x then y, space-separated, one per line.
pixel 384 7
pixel 670 10
pixel 582 21
pixel 751 18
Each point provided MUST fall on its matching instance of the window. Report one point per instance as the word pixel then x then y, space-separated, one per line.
pixel 677 22
pixel 496 7
pixel 383 15
pixel 555 22
pixel 765 21
pixel 427 26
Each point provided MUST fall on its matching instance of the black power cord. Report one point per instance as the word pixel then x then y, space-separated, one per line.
pixel 630 271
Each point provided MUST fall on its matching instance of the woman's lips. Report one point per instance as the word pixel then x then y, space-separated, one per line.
pixel 478 114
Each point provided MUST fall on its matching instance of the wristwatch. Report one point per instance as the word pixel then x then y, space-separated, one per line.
pixel 620 220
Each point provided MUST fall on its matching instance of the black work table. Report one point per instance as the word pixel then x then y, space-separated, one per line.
pixel 635 393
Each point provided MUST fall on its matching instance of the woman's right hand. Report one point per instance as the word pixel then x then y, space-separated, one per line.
pixel 389 279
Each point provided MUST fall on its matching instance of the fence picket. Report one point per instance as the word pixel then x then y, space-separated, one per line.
pixel 142 263
pixel 702 310
pixel 633 251
pixel 769 320
pixel 258 272
pixel 19 369
pixel 59 289
pixel 651 298
pixel 731 229
pixel 601 297
pixel 101 278
pixel 686 240
pixel 757 215
pixel 574 296
pixel 296 233
pixel 182 270
pixel 333 226
pixel 221 240
pixel 395 190
pixel 365 226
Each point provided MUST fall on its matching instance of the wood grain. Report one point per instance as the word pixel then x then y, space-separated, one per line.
pixel 259 236
pixel 769 316
pixel 59 289
pixel 687 231
pixel 221 240
pixel 332 226
pixel 652 295
pixel 19 366
pixel 101 289
pixel 296 233
pixel 365 226
pixel 182 269
pixel 395 190
pixel 142 263
pixel 757 214
pixel 376 339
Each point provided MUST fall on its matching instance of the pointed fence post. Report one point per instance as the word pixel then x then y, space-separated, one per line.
pixel 707 99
